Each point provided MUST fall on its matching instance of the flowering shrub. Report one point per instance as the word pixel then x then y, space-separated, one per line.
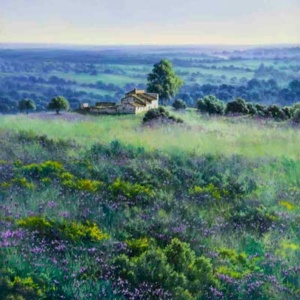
pixel 14 287
pixel 138 246
pixel 45 169
pixel 209 190
pixel 130 190
pixel 88 185
pixel 87 231
pixel 73 231
pixel 19 182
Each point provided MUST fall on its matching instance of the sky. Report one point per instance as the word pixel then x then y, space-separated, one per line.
pixel 152 22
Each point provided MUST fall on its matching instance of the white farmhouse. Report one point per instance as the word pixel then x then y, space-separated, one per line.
pixel 134 102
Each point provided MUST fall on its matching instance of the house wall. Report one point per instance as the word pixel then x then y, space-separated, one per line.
pixel 103 110
pixel 154 104
pixel 128 100
pixel 126 108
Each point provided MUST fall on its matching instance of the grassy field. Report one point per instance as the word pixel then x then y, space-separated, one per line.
pixel 198 135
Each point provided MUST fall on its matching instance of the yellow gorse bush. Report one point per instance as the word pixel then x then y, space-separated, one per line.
pixel 287 205
pixel 129 190
pixel 54 169
pixel 210 189
pixel 73 231
pixel 88 185
pixel 20 182
pixel 45 169
pixel 26 286
pixel 83 231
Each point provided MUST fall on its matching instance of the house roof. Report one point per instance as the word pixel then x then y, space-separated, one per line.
pixel 136 91
pixel 143 94
pixel 137 104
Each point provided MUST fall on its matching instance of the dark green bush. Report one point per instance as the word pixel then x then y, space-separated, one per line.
pixel 296 116
pixel 238 106
pixel 261 110
pixel 252 109
pixel 276 113
pixel 179 104
pixel 160 114
pixel 211 105
pixel 175 268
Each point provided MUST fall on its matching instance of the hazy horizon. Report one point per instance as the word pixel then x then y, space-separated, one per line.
pixel 165 23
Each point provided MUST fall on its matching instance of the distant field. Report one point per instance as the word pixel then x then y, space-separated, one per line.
pixel 198 135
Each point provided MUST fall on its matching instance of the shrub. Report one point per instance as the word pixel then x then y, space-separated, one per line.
pixel 129 190
pixel 138 246
pixel 261 110
pixel 160 114
pixel 45 169
pixel 175 268
pixel 296 116
pixel 17 288
pixel 288 111
pixel 88 185
pixel 73 231
pixel 209 190
pixel 252 108
pixel 211 105
pixel 252 218
pixel 276 113
pixel 238 106
pixel 295 107
pixel 179 104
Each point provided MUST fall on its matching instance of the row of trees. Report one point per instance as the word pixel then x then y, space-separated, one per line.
pixel 57 104
pixel 213 106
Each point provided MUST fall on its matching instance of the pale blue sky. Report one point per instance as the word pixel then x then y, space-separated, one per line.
pixel 103 22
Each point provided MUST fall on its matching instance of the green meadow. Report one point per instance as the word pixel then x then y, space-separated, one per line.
pixel 198 135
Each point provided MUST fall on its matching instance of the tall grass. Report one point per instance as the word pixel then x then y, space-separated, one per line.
pixel 198 135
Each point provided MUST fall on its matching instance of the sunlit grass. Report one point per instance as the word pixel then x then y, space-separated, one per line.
pixel 198 135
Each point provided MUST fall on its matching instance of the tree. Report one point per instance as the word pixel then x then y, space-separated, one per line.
pixel 59 103
pixel 26 104
pixel 179 104
pixel 211 105
pixel 164 81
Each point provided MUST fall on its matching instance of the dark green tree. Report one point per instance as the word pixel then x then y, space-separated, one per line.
pixel 211 105
pixel 59 103
pixel 179 104
pixel 26 105
pixel 164 81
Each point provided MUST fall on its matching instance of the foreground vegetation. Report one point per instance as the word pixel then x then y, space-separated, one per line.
pixel 106 208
